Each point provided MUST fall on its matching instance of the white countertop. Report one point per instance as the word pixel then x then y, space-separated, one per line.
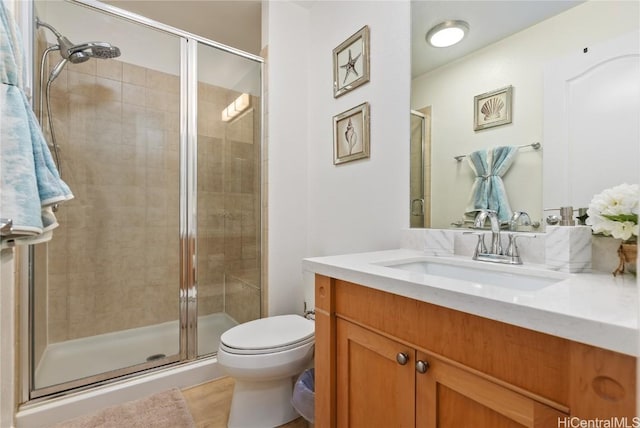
pixel 593 308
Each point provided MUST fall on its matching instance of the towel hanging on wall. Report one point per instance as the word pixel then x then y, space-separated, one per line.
pixel 487 191
pixel 29 181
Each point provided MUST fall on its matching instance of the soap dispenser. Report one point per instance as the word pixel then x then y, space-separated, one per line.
pixel 566 217
pixel 567 249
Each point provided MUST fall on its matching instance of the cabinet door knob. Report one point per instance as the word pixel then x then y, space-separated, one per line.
pixel 402 358
pixel 422 366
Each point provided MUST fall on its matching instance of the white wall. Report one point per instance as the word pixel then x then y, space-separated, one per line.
pixel 315 207
pixel 288 40
pixel 519 61
pixel 8 339
pixel 360 205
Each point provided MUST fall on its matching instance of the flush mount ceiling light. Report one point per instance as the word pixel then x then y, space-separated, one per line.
pixel 447 33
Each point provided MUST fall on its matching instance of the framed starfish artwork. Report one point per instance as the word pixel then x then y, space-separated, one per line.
pixel 351 134
pixel 351 63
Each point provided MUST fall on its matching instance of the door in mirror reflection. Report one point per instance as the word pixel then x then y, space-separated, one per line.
pixel 591 121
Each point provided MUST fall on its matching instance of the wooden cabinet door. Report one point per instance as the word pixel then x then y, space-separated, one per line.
pixel 449 396
pixel 373 388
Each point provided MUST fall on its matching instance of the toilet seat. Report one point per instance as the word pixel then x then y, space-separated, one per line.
pixel 268 335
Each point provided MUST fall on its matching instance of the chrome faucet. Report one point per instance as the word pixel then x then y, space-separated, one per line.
pixel 495 254
pixel 496 244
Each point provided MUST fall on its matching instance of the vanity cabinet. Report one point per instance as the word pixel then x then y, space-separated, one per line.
pixel 384 360
pixel 373 388
pixel 384 383
pixel 450 396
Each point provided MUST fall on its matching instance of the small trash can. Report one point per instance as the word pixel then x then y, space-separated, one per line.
pixel 303 399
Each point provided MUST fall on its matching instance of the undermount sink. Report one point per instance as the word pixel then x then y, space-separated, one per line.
pixel 480 274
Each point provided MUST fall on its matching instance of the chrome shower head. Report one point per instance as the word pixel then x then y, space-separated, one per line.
pixel 77 54
pixel 100 50
pixel 83 52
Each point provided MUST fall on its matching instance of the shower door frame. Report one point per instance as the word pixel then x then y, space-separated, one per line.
pixel 188 141
pixel 423 190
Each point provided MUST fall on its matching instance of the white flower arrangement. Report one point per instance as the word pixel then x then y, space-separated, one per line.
pixel 614 212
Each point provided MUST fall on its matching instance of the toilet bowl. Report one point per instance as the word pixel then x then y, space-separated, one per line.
pixel 264 357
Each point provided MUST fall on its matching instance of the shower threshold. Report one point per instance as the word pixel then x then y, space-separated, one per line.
pixel 75 359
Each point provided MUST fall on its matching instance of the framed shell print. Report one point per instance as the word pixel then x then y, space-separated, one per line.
pixel 492 108
pixel 351 134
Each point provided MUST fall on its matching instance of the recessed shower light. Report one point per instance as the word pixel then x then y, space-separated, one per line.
pixel 447 33
pixel 240 104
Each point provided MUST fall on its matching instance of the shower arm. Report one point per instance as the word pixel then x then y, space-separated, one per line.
pixel 45 25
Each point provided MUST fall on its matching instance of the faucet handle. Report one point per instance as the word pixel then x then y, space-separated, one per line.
pixel 522 218
pixel 517 215
pixel 481 248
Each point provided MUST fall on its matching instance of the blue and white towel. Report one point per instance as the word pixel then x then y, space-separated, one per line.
pixel 29 180
pixel 487 191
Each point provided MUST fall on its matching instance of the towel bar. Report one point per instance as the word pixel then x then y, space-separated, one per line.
pixel 535 146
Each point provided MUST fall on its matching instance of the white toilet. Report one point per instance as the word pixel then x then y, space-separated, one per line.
pixel 265 356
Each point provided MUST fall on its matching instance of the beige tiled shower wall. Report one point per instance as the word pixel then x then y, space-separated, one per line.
pixel 114 261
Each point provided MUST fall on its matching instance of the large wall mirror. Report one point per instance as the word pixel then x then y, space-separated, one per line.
pixel 530 47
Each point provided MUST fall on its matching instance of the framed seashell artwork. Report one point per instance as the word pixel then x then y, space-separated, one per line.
pixel 492 108
pixel 351 134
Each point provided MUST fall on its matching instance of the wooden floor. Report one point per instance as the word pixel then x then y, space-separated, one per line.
pixel 209 404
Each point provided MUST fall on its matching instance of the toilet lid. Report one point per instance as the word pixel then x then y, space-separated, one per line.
pixel 269 333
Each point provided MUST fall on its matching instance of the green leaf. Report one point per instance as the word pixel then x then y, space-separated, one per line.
pixel 633 218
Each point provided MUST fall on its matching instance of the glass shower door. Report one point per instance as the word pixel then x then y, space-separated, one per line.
pixel 161 147
pixel 105 290
pixel 416 170
pixel 420 168
pixel 229 189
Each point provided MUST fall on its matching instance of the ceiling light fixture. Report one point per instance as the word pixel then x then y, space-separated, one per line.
pixel 447 33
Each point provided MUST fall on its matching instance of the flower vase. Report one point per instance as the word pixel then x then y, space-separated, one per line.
pixel 628 253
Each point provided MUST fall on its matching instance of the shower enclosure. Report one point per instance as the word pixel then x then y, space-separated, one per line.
pixel 420 169
pixel 160 250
